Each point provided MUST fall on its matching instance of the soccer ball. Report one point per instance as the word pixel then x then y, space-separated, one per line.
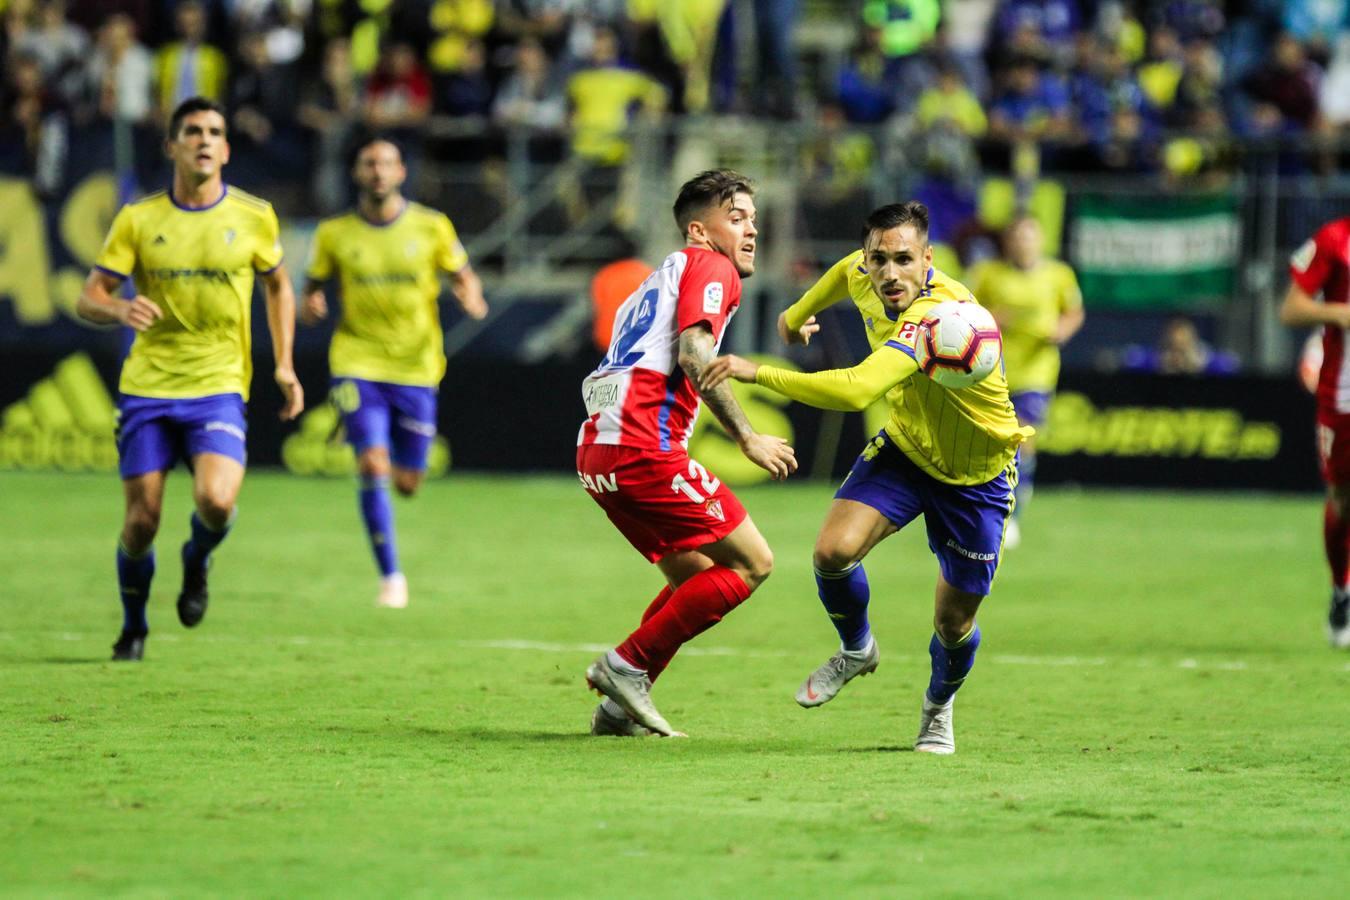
pixel 958 344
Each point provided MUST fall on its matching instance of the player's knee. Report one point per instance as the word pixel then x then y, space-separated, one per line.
pixel 833 556
pixel 758 567
pixel 215 508
pixel 140 527
pixel 373 464
pixel 406 482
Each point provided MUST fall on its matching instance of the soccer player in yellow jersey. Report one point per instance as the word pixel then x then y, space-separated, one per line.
pixel 388 355
pixel 1038 307
pixel 192 252
pixel 950 455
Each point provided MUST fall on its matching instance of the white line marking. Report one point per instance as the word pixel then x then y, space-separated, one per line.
pixel 524 644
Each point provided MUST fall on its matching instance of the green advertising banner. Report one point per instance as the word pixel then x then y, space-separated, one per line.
pixel 1155 253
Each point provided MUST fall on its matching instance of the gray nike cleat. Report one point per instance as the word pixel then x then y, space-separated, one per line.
pixel 822 684
pixel 632 692
pixel 935 728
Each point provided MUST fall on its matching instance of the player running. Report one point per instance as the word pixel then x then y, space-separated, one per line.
pixel 950 455
pixel 1320 295
pixel 632 457
pixel 192 252
pixel 1038 307
pixel 387 356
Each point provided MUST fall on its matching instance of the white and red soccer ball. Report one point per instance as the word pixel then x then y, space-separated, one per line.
pixel 958 344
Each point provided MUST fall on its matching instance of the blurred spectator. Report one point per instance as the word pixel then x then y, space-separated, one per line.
pixel 1316 24
pixel 456 39
pixel 1334 94
pixel 601 97
pixel 544 20
pixel 1284 90
pixel 689 30
pixel 1160 73
pixel 949 102
pixel 1208 153
pixel 837 160
pixel 1193 18
pixel 776 70
pixel 1179 351
pixel 60 49
pixel 398 95
pixel 1042 29
pixel 466 91
pixel 120 72
pixel 189 67
pixel 263 104
pixel 905 25
pixel 1127 148
pixel 33 125
pixel 1105 90
pixel 329 109
pixel 530 95
pixel 1033 106
pixel 865 86
pixel 967 25
pixel 282 23
pixel 1201 81
pixel 610 287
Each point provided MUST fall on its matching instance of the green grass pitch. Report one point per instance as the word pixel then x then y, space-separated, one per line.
pixel 1154 710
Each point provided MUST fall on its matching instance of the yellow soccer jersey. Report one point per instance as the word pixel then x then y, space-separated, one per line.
pixel 964 436
pixel 1028 304
pixel 197 265
pixel 390 329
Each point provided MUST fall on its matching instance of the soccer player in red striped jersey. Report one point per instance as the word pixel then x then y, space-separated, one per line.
pixel 1320 295
pixel 632 455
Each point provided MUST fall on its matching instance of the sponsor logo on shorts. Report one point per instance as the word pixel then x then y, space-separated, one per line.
pixel 227 427
pixel 714 508
pixel 599 484
pixel 425 429
pixel 971 554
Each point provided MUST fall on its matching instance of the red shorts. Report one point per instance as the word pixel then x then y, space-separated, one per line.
pixel 1333 446
pixel 661 502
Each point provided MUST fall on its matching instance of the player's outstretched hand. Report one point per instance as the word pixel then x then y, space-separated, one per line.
pixel 772 454
pixel 140 313
pixel 314 309
pixel 474 306
pixel 724 367
pixel 292 394
pixel 796 336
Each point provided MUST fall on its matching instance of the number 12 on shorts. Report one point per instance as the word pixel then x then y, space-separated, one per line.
pixel 680 485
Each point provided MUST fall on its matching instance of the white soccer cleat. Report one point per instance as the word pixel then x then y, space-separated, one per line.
pixel 605 723
pixel 1012 535
pixel 632 692
pixel 393 592
pixel 822 684
pixel 935 728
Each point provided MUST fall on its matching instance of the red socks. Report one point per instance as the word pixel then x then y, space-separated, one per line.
pixel 1336 534
pixel 676 617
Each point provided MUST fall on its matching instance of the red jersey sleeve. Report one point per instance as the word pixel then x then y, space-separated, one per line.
pixel 710 290
pixel 1312 263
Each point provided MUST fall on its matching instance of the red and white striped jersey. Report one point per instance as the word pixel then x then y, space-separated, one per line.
pixel 1322 266
pixel 639 396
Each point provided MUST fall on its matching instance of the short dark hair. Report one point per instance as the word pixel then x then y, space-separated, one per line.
pixel 371 140
pixel 193 105
pixel 707 189
pixel 896 214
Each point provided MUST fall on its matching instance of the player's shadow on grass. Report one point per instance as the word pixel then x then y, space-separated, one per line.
pixel 73 660
pixel 886 748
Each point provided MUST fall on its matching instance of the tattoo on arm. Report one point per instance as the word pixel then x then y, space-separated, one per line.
pixel 696 351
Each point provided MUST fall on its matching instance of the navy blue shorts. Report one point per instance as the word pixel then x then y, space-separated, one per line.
pixel 965 522
pixel 1033 407
pixel 399 417
pixel 153 434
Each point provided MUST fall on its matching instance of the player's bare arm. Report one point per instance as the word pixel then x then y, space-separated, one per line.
pixel 1068 325
pixel 468 290
pixel 280 297
pixel 314 308
pixel 1301 311
pixel 766 451
pixel 99 305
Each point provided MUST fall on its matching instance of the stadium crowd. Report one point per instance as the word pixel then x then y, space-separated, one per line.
pixel 1173 86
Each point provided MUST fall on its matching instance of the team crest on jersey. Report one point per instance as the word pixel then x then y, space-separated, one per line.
pixel 714 508
pixel 712 298
pixel 1303 256
pixel 229 235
